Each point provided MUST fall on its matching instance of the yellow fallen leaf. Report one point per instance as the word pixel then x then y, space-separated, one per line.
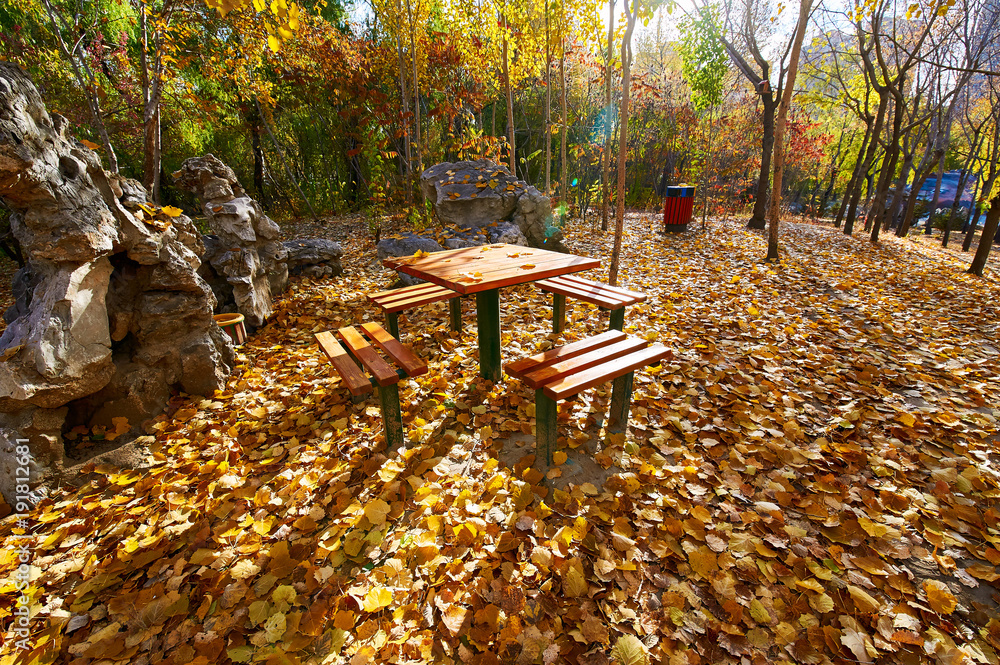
pixel 377 598
pixel 558 457
pixel 939 597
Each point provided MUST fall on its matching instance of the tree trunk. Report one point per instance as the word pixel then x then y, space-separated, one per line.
pixel 548 105
pixel 970 231
pixel 564 167
pixel 959 190
pixel 88 84
pixel 510 105
pixel 605 188
pixel 416 89
pixel 855 176
pixel 940 177
pixel 758 219
pixel 405 112
pixel 630 17
pixel 779 130
pixel 911 203
pixel 986 241
pixel 888 169
pixel 852 209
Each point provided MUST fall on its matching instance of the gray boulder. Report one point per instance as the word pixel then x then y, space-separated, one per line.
pixel 250 258
pixel 314 257
pixel 405 244
pixel 476 194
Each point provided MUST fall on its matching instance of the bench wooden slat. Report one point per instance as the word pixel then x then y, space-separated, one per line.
pixel 519 368
pixel 546 375
pixel 384 374
pixel 595 295
pixel 603 373
pixel 405 291
pixel 418 301
pixel 350 373
pixel 398 300
pixel 602 295
pixel 411 364
pixel 639 297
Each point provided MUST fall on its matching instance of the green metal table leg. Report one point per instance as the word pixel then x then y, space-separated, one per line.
pixel 392 420
pixel 558 312
pixel 392 323
pixel 488 318
pixel 546 411
pixel 621 400
pixel 455 309
pixel 617 319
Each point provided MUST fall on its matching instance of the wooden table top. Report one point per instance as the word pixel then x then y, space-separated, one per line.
pixel 474 269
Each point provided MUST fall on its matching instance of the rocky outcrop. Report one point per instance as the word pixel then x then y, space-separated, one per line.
pixel 110 314
pixel 314 257
pixel 475 194
pixel 247 255
pixel 405 244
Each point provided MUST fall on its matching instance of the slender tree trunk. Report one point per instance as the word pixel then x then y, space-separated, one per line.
pixel 563 166
pixel 404 120
pixel 605 187
pixel 758 219
pixel 416 90
pixel 630 17
pixel 986 240
pixel 510 106
pixel 855 177
pixel 88 84
pixel 284 162
pixel 548 105
pixel 945 138
pixel 704 178
pixel 779 130
pixel 959 190
pixel 918 183
pixel 893 210
pixel 258 157
pixel 852 209
pixel 888 169
pixel 973 220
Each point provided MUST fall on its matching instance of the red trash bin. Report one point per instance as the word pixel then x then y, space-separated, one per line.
pixel 678 208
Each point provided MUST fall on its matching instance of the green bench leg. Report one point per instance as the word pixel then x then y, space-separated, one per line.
pixel 546 411
pixel 621 400
pixel 392 323
pixel 455 309
pixel 558 312
pixel 488 319
pixel 392 420
pixel 617 319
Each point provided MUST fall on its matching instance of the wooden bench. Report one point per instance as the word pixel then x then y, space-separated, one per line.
pixel 384 375
pixel 607 297
pixel 564 371
pixel 394 301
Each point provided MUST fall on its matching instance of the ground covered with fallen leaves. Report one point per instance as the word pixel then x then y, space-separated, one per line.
pixel 811 478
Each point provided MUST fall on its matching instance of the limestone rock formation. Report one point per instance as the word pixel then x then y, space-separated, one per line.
pixel 474 194
pixel 406 244
pixel 110 314
pixel 248 254
pixel 314 257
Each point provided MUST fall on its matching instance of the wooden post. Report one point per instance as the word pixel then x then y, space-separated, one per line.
pixel 558 312
pixel 546 411
pixel 488 318
pixel 455 309
pixel 621 400
pixel 392 323
pixel 617 319
pixel 392 420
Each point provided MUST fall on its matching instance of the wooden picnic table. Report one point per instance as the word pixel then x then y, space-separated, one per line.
pixel 483 271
